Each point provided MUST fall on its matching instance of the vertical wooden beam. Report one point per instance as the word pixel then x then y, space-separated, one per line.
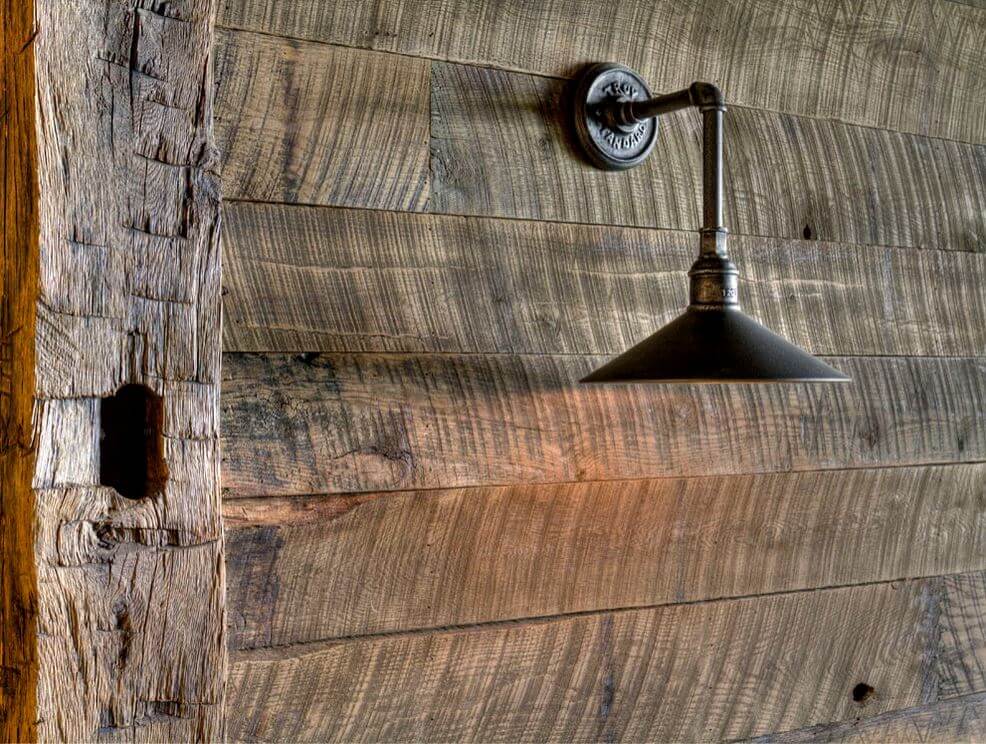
pixel 18 284
pixel 113 607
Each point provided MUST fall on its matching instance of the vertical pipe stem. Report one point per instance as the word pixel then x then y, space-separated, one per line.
pixel 712 169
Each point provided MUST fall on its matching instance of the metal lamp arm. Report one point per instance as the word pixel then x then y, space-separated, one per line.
pixel 700 95
pixel 616 121
pixel 708 99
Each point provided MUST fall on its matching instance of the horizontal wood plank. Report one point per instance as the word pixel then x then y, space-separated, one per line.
pixel 302 122
pixel 706 671
pixel 947 722
pixel 291 133
pixel 306 569
pixel 297 424
pixel 499 149
pixel 910 65
pixel 350 280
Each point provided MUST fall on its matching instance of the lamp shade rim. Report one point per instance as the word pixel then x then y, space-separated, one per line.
pixel 587 380
pixel 715 346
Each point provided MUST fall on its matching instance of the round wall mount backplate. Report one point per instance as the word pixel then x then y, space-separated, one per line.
pixel 610 146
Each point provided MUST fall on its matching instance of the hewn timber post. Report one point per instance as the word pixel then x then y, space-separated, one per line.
pixel 110 536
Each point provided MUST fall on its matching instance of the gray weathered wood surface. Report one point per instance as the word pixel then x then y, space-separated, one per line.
pixel 119 283
pixel 301 424
pixel 307 279
pixel 499 148
pixel 706 671
pixel 947 722
pixel 482 600
pixel 305 569
pixel 908 65
pixel 306 123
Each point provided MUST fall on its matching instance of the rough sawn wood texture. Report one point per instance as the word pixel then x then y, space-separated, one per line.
pixel 436 534
pixel 304 569
pixel 500 146
pixel 466 285
pixel 111 276
pixel 821 59
pixel 688 672
pixel 309 423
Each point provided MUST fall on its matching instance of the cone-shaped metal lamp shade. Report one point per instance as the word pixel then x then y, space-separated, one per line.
pixel 714 346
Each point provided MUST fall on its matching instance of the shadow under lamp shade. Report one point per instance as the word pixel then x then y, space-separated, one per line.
pixel 712 341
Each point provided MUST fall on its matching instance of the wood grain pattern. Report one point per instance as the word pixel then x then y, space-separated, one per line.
pixel 499 149
pixel 451 344
pixel 910 65
pixel 19 252
pixel 307 569
pixel 122 276
pixel 699 672
pixel 948 722
pixel 337 423
pixel 338 280
pixel 961 672
pixel 301 122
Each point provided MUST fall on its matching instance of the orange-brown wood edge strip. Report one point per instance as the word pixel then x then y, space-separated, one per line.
pixel 18 579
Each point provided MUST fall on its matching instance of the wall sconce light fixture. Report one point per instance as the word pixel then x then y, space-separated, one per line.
pixel 713 341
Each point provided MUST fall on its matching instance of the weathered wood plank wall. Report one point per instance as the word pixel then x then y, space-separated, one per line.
pixel 435 534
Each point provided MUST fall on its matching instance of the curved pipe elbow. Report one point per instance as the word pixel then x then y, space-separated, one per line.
pixel 706 96
pixel 703 96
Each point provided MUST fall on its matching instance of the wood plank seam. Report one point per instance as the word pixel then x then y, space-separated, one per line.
pixel 563 78
pixel 515 622
pixel 304 647
pixel 672 673
pixel 233 506
pixel 637 543
pixel 866 43
pixel 239 200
